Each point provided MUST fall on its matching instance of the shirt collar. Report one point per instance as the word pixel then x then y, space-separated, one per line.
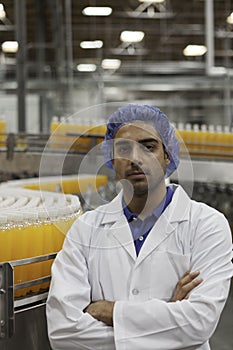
pixel 156 212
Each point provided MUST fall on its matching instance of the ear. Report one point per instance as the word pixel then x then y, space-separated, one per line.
pixel 166 157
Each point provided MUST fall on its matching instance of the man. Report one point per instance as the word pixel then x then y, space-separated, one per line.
pixel 122 280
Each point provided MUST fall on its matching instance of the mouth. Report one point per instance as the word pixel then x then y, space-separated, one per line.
pixel 136 175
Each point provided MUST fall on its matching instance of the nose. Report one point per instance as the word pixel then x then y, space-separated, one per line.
pixel 136 156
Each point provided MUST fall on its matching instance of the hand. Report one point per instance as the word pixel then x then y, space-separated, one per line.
pixel 185 285
pixel 101 310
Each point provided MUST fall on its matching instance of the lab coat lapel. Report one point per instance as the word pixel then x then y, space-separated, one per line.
pixel 177 211
pixel 161 230
pixel 118 225
pixel 121 232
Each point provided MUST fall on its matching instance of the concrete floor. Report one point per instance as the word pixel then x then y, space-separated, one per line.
pixel 223 336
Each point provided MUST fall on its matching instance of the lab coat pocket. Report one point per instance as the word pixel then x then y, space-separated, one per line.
pixel 166 270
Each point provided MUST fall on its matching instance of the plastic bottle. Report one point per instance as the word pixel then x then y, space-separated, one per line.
pixel 54 139
pixel 180 136
pixel 187 136
pixel 203 139
pixel 15 221
pixel 211 139
pixel 231 142
pixel 34 234
pixel 5 239
pixel 195 139
pixel 85 142
pixel 48 248
pixel 219 141
pixel 3 127
pixel 63 128
pixel 22 242
pixel 228 141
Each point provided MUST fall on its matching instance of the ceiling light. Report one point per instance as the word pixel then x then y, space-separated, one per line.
pixel 230 18
pixel 133 36
pixel 86 67
pixel 155 1
pixel 95 44
pixel 10 46
pixel 194 50
pixel 97 11
pixel 108 63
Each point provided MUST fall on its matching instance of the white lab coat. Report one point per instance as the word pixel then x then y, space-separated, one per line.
pixel 98 261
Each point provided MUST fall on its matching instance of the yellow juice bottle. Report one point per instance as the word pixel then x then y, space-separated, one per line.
pixel 76 130
pixel 219 142
pixel 30 224
pixel 53 233
pixel 102 131
pixel 231 142
pixel 228 141
pixel 179 131
pixel 85 140
pixel 195 140
pixel 71 130
pixel 203 139
pixel 46 229
pixel 187 136
pixel 22 246
pixel 61 226
pixel 54 132
pixel 211 140
pixel 98 129
pixel 64 131
pixel 2 132
pixel 15 220
pixel 35 248
pixel 5 239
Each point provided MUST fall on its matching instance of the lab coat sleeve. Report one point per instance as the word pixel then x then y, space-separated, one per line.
pixel 69 328
pixel 185 324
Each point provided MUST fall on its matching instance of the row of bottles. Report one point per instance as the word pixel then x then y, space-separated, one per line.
pixel 206 140
pixel 67 134
pixel 198 140
pixel 68 184
pixel 33 223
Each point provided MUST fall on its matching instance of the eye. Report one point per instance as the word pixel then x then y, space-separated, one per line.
pixel 123 149
pixel 150 147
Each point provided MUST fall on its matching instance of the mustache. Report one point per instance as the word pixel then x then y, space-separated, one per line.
pixel 136 170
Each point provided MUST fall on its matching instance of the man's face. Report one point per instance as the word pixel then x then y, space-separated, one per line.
pixel 139 157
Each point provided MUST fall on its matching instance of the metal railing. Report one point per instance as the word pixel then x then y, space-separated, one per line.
pixel 9 305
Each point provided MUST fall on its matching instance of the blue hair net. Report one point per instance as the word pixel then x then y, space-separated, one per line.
pixel 148 114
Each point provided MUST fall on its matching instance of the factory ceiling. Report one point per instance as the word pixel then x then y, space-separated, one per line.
pixel 50 32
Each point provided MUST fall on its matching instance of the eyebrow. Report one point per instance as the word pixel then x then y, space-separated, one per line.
pixel 150 139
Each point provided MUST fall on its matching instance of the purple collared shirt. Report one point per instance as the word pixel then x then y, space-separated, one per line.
pixel 141 228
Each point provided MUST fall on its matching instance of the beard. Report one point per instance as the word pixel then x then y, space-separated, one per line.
pixel 142 188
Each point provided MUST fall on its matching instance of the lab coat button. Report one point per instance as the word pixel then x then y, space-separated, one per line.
pixel 135 291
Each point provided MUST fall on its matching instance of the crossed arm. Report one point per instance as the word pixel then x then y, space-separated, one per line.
pixel 103 310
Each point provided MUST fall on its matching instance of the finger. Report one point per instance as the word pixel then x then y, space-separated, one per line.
pixel 188 277
pixel 187 288
pixel 183 290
